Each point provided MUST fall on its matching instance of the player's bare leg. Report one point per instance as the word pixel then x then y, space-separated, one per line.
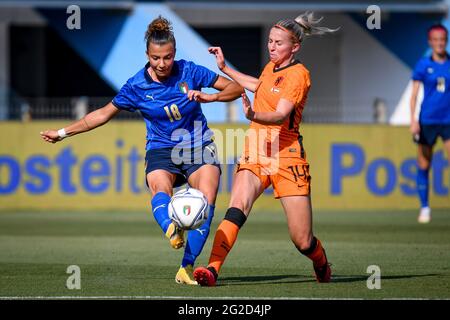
pixel 246 189
pixel 298 212
pixel 206 179
pixel 160 181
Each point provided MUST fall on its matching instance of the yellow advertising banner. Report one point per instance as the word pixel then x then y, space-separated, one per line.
pixel 352 167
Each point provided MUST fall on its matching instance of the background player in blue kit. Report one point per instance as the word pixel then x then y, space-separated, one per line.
pixel 179 144
pixel 434 119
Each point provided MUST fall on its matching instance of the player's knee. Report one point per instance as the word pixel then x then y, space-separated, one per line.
pixel 302 242
pixel 155 188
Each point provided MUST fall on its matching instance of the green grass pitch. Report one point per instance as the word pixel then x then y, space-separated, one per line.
pixel 124 254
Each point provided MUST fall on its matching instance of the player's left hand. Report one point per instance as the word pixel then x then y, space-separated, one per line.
pixel 201 96
pixel 248 111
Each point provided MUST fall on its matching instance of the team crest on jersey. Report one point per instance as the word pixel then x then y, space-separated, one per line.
pixel 430 70
pixel 183 86
pixel 278 81
pixel 187 210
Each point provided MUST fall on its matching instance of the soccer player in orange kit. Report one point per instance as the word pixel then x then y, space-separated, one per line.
pixel 274 152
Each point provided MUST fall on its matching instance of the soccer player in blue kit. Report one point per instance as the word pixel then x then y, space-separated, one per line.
pixel 180 146
pixel 434 119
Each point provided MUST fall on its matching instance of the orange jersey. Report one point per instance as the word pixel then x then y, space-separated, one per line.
pixel 291 83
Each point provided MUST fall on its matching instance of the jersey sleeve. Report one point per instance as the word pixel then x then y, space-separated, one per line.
pixel 419 72
pixel 296 87
pixel 203 77
pixel 126 98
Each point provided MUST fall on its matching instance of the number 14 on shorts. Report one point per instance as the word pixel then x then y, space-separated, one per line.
pixel 299 171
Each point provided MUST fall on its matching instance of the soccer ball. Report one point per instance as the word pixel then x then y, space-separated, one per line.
pixel 188 208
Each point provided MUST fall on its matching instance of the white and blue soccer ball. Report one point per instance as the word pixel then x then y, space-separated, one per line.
pixel 188 208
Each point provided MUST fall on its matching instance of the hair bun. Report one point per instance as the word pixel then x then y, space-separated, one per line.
pixel 160 24
pixel 159 31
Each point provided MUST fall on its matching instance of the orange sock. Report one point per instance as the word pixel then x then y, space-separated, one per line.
pixel 224 239
pixel 317 255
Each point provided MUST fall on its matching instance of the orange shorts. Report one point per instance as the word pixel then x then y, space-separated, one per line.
pixel 290 177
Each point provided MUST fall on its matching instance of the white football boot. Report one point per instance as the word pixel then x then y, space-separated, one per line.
pixel 425 215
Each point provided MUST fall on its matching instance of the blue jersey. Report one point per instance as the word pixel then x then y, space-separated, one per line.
pixel 171 119
pixel 435 77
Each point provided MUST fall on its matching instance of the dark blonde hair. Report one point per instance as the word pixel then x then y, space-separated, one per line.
pixel 303 25
pixel 159 31
pixel 436 27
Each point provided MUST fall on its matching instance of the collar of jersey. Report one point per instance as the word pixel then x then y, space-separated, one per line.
pixel 148 78
pixel 448 58
pixel 285 67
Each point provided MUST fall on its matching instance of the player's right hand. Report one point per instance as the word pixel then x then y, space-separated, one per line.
pixel 220 59
pixel 414 128
pixel 51 136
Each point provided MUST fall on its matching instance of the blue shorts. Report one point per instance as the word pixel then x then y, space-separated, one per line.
pixel 430 132
pixel 182 162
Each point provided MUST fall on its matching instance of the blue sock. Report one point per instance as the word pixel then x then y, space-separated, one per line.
pixel 160 203
pixel 196 240
pixel 422 186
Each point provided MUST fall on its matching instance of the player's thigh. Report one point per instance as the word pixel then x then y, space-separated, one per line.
pixel 160 181
pixel 247 187
pixel 298 212
pixel 206 179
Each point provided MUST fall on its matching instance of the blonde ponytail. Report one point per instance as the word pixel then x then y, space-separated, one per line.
pixel 310 25
pixel 304 25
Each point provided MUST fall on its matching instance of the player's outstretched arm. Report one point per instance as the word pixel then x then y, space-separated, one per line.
pixel 248 82
pixel 91 121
